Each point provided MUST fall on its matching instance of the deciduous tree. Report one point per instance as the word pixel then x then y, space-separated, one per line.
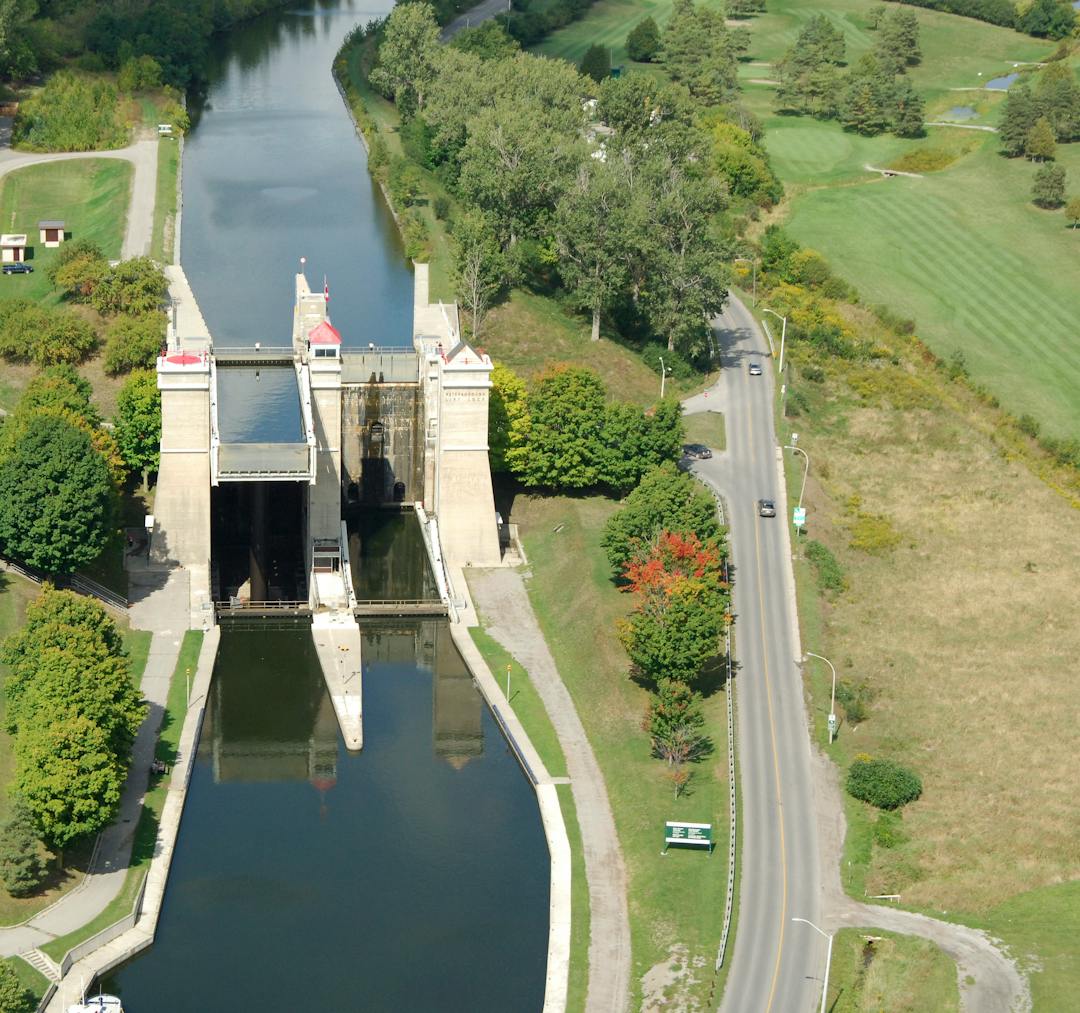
pixel 1021 112
pixel 666 499
pixel 407 57
pixel 137 424
pixel 480 267
pixel 69 779
pixel 1040 145
pixel 643 42
pixel 56 496
pixel 1072 211
pixel 508 421
pixel 567 412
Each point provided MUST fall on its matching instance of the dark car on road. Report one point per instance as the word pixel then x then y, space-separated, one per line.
pixel 755 369
pixel 766 507
pixel 19 268
pixel 697 452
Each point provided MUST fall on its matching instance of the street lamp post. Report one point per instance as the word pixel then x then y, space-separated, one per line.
pixel 663 376
pixel 783 332
pixel 832 705
pixel 753 265
pixel 828 959
pixel 806 468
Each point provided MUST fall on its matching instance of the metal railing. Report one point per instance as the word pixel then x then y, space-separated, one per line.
pixel 73 582
pixel 261 606
pixel 402 606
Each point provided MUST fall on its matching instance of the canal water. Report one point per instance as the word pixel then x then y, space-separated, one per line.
pixel 410 876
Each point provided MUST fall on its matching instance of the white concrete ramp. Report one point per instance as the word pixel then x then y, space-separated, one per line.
pixel 337 641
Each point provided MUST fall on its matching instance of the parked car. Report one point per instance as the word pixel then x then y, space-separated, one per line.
pixel 766 507
pixel 697 452
pixel 18 268
pixel 755 369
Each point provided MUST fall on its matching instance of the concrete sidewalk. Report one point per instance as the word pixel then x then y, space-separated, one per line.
pixel 501 598
pixel 160 605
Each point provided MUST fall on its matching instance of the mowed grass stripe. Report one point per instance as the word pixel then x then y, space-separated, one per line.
pixel 964 293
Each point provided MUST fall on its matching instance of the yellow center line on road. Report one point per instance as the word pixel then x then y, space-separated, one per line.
pixel 772 733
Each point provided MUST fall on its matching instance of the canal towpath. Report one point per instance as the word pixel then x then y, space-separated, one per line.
pixel 160 605
pixel 500 596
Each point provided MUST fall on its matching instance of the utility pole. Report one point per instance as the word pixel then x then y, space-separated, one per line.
pixel 783 333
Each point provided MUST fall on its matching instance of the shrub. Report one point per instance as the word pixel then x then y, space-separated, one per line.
pixel 815 374
pixel 64 338
pixel 134 343
pixel 20 323
pixel 70 113
pixel 76 249
pixel 675 363
pixel 414 233
pixel 134 286
pixel 885 784
pixel 404 183
pixel 441 206
pixel 855 699
pixel 59 387
pixel 874 534
pixel 926 159
pixel 830 575
pixel 1028 425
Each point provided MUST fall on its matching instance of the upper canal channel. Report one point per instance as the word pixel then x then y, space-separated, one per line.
pixel 412 875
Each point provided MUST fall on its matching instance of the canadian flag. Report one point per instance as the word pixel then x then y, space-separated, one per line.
pixel 325 288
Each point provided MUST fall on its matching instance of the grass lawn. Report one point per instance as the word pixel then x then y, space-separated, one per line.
pixel 531 713
pixel 161 245
pixel 528 332
pixel 90 195
pixel 674 899
pixel 962 251
pixel 607 23
pixel 30 977
pixel 874 970
pixel 707 428
pixel 15 594
pixel 963 679
pixel 172 724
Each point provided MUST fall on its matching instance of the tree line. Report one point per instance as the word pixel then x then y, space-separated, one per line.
pixel 561 432
pixel 668 550
pixel 1053 19
pixel 870 97
pixel 37 36
pixel 1034 121
pixel 618 199
pixel 74 712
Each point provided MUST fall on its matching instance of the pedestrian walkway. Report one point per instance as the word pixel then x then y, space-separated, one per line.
pixel 501 598
pixel 160 605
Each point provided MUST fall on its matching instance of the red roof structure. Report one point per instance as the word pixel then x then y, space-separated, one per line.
pixel 324 334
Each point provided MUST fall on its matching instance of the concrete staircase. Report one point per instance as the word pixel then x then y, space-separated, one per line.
pixel 43 964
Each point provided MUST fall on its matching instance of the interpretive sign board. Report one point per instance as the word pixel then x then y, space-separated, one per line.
pixel 798 516
pixel 688 835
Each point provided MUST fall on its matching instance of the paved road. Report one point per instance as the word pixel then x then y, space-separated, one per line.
pixel 776 965
pixel 143 154
pixel 501 599
pixel 483 11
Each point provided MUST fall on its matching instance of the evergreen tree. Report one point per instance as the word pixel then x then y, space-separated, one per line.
pixel 643 43
pixel 1021 112
pixel 909 112
pixel 23 864
pixel 700 52
pixel 866 105
pixel 1057 96
pixel 898 41
pixel 1039 145
pixel 14 998
pixel 1048 189
pixel 596 63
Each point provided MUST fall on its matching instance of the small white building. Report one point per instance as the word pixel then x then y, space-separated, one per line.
pixel 51 233
pixel 12 248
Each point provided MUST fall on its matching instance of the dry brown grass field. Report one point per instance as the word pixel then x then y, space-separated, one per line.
pixel 964 633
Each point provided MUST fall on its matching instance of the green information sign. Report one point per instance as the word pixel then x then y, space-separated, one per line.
pixel 689 835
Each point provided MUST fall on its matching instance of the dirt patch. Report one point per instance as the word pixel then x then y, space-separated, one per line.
pixel 669 985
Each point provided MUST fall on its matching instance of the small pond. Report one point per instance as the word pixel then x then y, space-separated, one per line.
pixel 1003 83
pixel 962 112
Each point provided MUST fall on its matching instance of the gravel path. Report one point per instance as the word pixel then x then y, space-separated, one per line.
pixel 143 155
pixel 501 599
pixel 989 981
